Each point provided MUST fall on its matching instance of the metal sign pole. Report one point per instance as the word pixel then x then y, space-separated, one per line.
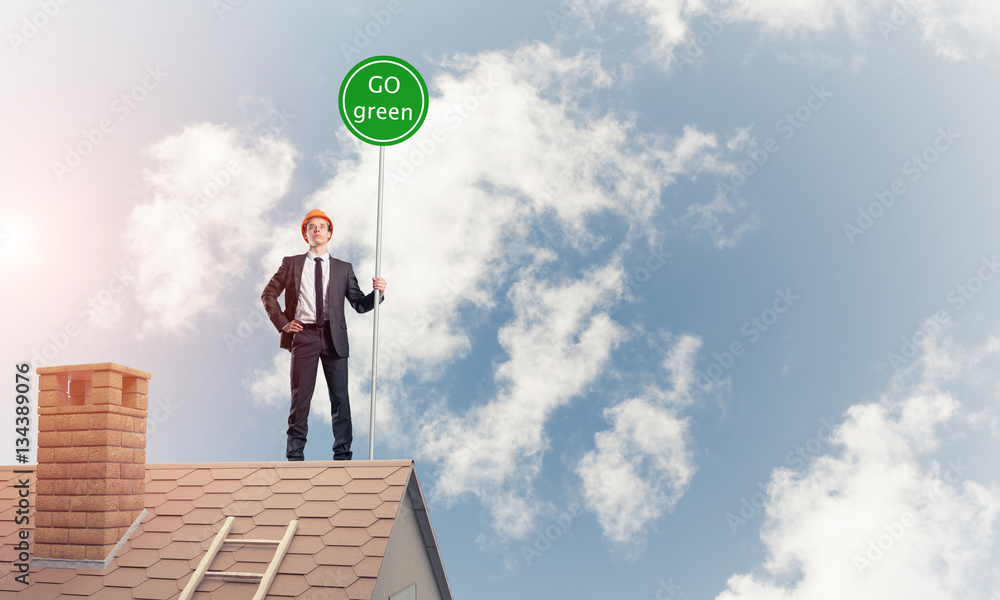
pixel 378 298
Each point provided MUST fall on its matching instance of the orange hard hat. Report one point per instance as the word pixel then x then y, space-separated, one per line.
pixel 315 213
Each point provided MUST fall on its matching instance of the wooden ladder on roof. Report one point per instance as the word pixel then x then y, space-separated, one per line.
pixel 264 578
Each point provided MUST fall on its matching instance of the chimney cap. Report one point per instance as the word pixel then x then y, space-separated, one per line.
pixel 106 366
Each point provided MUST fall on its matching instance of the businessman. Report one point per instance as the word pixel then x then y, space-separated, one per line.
pixel 313 328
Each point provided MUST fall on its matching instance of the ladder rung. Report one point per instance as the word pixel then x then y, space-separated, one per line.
pixel 234 574
pixel 245 541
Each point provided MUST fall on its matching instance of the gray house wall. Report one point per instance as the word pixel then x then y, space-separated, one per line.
pixel 407 558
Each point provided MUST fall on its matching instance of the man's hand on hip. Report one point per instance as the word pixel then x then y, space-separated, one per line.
pixel 293 326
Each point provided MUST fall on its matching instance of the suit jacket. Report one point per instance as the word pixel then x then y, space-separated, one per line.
pixel 342 285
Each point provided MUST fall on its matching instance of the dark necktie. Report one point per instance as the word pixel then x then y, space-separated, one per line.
pixel 319 291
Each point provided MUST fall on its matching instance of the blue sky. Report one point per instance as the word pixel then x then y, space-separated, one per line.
pixel 696 298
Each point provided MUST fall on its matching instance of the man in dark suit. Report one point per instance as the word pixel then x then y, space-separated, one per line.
pixel 313 328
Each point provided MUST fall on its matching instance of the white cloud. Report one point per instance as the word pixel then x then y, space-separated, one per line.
pixel 961 29
pixel 679 365
pixel 557 344
pixel 642 466
pixel 665 21
pixel 726 219
pixel 893 514
pixel 190 241
pixel 547 169
pixel 742 140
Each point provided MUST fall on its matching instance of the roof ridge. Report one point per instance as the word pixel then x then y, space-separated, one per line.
pixel 289 464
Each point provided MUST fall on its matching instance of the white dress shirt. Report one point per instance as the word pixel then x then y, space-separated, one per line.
pixel 305 312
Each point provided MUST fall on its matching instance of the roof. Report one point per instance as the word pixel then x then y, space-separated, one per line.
pixel 345 513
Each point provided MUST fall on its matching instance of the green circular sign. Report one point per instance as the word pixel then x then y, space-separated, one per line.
pixel 383 100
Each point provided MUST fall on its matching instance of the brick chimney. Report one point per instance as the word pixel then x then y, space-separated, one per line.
pixel 91 461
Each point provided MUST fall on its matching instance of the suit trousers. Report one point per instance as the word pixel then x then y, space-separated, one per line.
pixel 309 348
